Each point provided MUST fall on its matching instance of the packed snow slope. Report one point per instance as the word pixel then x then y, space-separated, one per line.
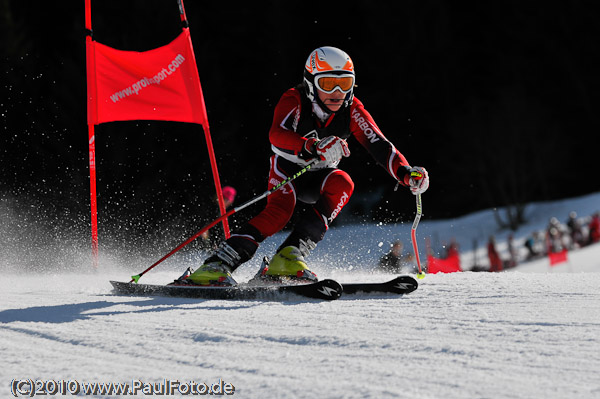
pixel 533 332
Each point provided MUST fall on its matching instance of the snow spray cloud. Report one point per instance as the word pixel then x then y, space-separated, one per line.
pixel 34 237
pixel 46 236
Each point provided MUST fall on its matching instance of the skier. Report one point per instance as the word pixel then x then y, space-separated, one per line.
pixel 311 124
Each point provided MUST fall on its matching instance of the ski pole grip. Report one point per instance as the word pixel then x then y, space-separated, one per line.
pixel 416 175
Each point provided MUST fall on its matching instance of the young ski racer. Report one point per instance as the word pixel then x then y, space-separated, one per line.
pixel 311 124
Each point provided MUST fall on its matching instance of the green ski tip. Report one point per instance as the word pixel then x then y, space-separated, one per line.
pixel 136 278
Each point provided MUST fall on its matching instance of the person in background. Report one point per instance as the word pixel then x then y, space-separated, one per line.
pixel 575 231
pixel 452 250
pixel 394 260
pixel 229 194
pixel 594 228
pixel 495 260
pixel 512 252
pixel 555 236
pixel 534 245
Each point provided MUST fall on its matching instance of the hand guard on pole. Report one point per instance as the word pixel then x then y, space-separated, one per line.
pixel 418 180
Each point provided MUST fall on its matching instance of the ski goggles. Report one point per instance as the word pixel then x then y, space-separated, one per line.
pixel 329 83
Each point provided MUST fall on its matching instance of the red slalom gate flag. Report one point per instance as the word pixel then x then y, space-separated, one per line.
pixel 159 84
pixel 448 265
pixel 557 257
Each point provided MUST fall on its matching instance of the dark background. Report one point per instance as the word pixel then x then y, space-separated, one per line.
pixel 498 100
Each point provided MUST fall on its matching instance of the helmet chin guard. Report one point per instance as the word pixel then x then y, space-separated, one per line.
pixel 327 60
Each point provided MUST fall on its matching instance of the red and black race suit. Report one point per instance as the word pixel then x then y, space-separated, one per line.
pixel 329 189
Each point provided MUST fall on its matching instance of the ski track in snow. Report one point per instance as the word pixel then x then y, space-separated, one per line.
pixel 531 332
pixel 462 335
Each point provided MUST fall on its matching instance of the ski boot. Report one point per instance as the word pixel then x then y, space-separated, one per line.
pixel 216 270
pixel 214 273
pixel 287 265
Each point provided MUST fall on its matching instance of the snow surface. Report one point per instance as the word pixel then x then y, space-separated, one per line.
pixel 533 332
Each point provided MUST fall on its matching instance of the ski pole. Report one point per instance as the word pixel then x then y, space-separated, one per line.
pixel 413 235
pixel 137 277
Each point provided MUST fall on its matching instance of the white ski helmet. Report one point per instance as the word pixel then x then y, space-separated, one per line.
pixel 329 69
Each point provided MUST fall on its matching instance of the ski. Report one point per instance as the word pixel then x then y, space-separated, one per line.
pixel 325 289
pixel 398 285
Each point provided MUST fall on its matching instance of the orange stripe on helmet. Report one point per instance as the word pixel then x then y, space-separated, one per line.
pixel 322 65
pixel 349 66
pixel 315 63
